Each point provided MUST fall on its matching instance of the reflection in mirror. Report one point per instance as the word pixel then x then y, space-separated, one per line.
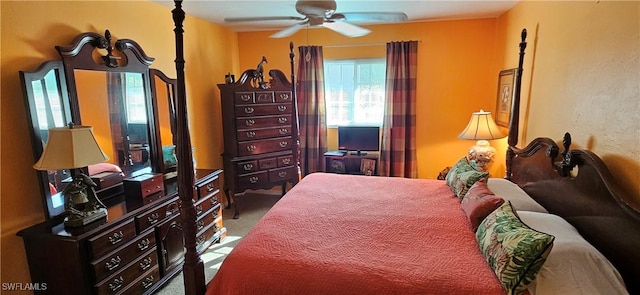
pixel 114 103
pixel 48 105
pixel 164 95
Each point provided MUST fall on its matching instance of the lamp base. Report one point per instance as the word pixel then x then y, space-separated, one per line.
pixel 481 155
pixel 77 221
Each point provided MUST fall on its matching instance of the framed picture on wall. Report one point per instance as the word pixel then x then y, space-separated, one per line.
pixel 506 83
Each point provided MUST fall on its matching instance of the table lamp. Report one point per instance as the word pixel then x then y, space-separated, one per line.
pixel 74 147
pixel 482 128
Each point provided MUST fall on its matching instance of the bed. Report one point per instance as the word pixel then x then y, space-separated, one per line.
pixel 342 234
pixel 377 235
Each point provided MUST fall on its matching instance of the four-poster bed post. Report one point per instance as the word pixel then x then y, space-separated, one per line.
pixel 514 118
pixel 193 269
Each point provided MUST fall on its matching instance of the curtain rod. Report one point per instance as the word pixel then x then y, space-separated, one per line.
pixel 359 45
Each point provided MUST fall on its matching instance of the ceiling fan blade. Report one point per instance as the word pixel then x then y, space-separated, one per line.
pixel 382 17
pixel 264 18
pixel 289 31
pixel 345 28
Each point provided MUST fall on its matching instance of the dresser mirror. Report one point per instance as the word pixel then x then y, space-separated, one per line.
pixel 45 92
pixel 110 87
pixel 164 95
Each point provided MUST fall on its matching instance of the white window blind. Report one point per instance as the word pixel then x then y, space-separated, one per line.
pixel 354 92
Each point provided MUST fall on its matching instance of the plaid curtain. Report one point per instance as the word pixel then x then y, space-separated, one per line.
pixel 398 151
pixel 311 109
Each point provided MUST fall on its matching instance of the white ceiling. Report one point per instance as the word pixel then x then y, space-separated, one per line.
pixel 216 11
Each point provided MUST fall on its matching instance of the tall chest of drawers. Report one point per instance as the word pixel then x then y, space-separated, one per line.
pixel 260 127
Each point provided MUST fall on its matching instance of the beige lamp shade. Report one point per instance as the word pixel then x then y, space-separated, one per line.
pixel 481 127
pixel 70 147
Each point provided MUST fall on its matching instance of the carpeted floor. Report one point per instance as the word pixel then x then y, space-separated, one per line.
pixel 252 207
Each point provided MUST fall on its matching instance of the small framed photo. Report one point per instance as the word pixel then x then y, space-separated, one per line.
pixel 367 166
pixel 337 166
pixel 506 83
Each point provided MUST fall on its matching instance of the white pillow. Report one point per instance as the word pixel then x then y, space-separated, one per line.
pixel 510 191
pixel 573 266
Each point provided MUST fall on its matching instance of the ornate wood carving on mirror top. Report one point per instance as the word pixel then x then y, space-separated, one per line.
pixel 108 85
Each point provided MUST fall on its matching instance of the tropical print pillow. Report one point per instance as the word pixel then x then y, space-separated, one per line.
pixel 514 251
pixel 462 176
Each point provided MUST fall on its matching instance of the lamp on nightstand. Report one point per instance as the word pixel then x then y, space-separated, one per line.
pixel 482 128
pixel 69 148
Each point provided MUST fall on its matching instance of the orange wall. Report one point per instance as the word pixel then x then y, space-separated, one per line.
pixel 582 75
pixel 456 76
pixel 31 29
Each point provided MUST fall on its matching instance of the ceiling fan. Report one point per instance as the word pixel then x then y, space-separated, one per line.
pixel 323 13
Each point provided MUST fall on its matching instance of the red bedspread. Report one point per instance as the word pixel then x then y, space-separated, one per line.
pixel 345 234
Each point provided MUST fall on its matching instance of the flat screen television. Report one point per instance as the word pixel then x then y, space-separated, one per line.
pixel 359 139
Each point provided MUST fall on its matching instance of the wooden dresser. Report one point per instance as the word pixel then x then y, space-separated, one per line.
pixel 260 127
pixel 138 249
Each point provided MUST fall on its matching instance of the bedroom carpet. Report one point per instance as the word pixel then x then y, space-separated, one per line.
pixel 253 207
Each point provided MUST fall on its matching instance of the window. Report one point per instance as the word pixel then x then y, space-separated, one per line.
pixel 135 102
pixel 354 92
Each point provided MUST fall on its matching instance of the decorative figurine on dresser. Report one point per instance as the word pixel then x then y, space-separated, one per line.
pixel 138 243
pixel 260 127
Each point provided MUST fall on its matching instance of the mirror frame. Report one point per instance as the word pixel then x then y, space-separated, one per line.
pixel 170 85
pixel 26 79
pixel 86 52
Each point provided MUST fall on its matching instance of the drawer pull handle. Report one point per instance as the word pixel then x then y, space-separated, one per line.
pixel 116 237
pixel 198 210
pixel 214 201
pixel 200 224
pixel 283 131
pixel 117 284
pixel 148 282
pixel 210 187
pixel 284 96
pixel 249 110
pixel 216 227
pixel 200 240
pixel 113 263
pixel 146 263
pixel 251 148
pixel 144 244
pixel 153 218
pixel 245 97
pixel 283 144
pixel 253 179
pixel 282 108
pixel 247 167
pixel 251 134
pixel 282 120
pixel 215 213
pixel 172 208
pixel 286 161
pixel 249 122
pixel 282 174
